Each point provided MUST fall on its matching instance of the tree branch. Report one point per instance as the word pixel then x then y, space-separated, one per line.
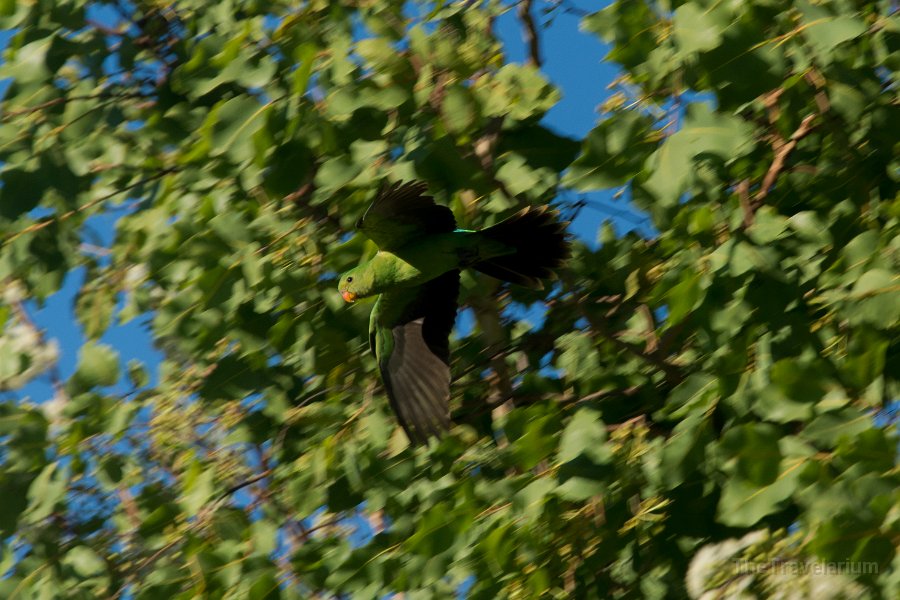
pixel 625 393
pixel 487 315
pixel 530 32
pixel 672 372
pixel 771 101
pixel 56 381
pixel 131 508
pixel 815 79
pixel 650 333
pixel 743 192
pixel 781 155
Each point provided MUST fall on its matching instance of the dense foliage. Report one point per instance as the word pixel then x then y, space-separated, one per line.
pixel 729 377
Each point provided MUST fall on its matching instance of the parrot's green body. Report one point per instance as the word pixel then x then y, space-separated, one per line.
pixel 422 260
pixel 416 277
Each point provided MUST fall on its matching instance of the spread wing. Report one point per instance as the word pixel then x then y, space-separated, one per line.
pixel 414 353
pixel 402 212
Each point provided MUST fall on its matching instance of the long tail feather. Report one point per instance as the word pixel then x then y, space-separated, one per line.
pixel 541 243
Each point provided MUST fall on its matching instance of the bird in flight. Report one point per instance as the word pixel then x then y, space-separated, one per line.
pixel 415 275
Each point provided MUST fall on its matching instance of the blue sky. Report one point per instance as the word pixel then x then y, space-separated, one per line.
pixel 572 59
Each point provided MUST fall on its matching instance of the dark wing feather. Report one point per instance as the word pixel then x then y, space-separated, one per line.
pixel 417 372
pixel 402 212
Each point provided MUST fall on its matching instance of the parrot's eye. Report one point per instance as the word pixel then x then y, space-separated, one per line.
pixel 349 279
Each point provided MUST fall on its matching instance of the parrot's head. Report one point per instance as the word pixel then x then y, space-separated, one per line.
pixel 356 283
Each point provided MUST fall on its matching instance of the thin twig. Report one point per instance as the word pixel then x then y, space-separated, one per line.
pixel 200 520
pixel 87 205
pixel 241 485
pixel 606 206
pixel 65 99
pixel 93 249
pixel 632 421
pixel 105 29
pixel 568 8
pixel 624 393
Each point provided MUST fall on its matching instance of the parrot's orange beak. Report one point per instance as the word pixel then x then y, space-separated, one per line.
pixel 348 296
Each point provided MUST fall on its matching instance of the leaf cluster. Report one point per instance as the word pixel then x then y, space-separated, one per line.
pixel 725 387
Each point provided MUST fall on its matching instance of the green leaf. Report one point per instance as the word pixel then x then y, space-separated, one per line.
pixel 22 190
pixel 746 258
pixel 825 31
pixel 772 404
pixel 288 166
pixel 199 484
pixel 541 147
pixel 519 178
pixel 137 373
pixel 697 29
pixel 530 433
pixel 436 533
pixel 46 491
pixel 684 451
pixel 744 503
pixel 85 561
pixel 796 386
pixel 342 496
pixel 231 228
pixel 683 297
pixel 518 91
pixel 530 500
pixel 459 108
pixel 629 29
pixel 337 172
pixel 265 537
pixel 265 587
pixel 585 434
pixel 695 395
pixel 94 307
pixel 8 9
pixel 28 64
pixel 876 299
pixel 613 152
pixel 828 428
pixel 230 524
pixel 751 452
pixel 231 125
pixel 705 135
pixel 498 548
pixel 837 539
pixel 585 455
pixel 98 365
pixel 578 358
pixel 767 226
pixel 810 227
pixel 858 252
pixel 305 56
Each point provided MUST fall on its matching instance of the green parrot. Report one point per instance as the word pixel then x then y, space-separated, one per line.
pixel 415 275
